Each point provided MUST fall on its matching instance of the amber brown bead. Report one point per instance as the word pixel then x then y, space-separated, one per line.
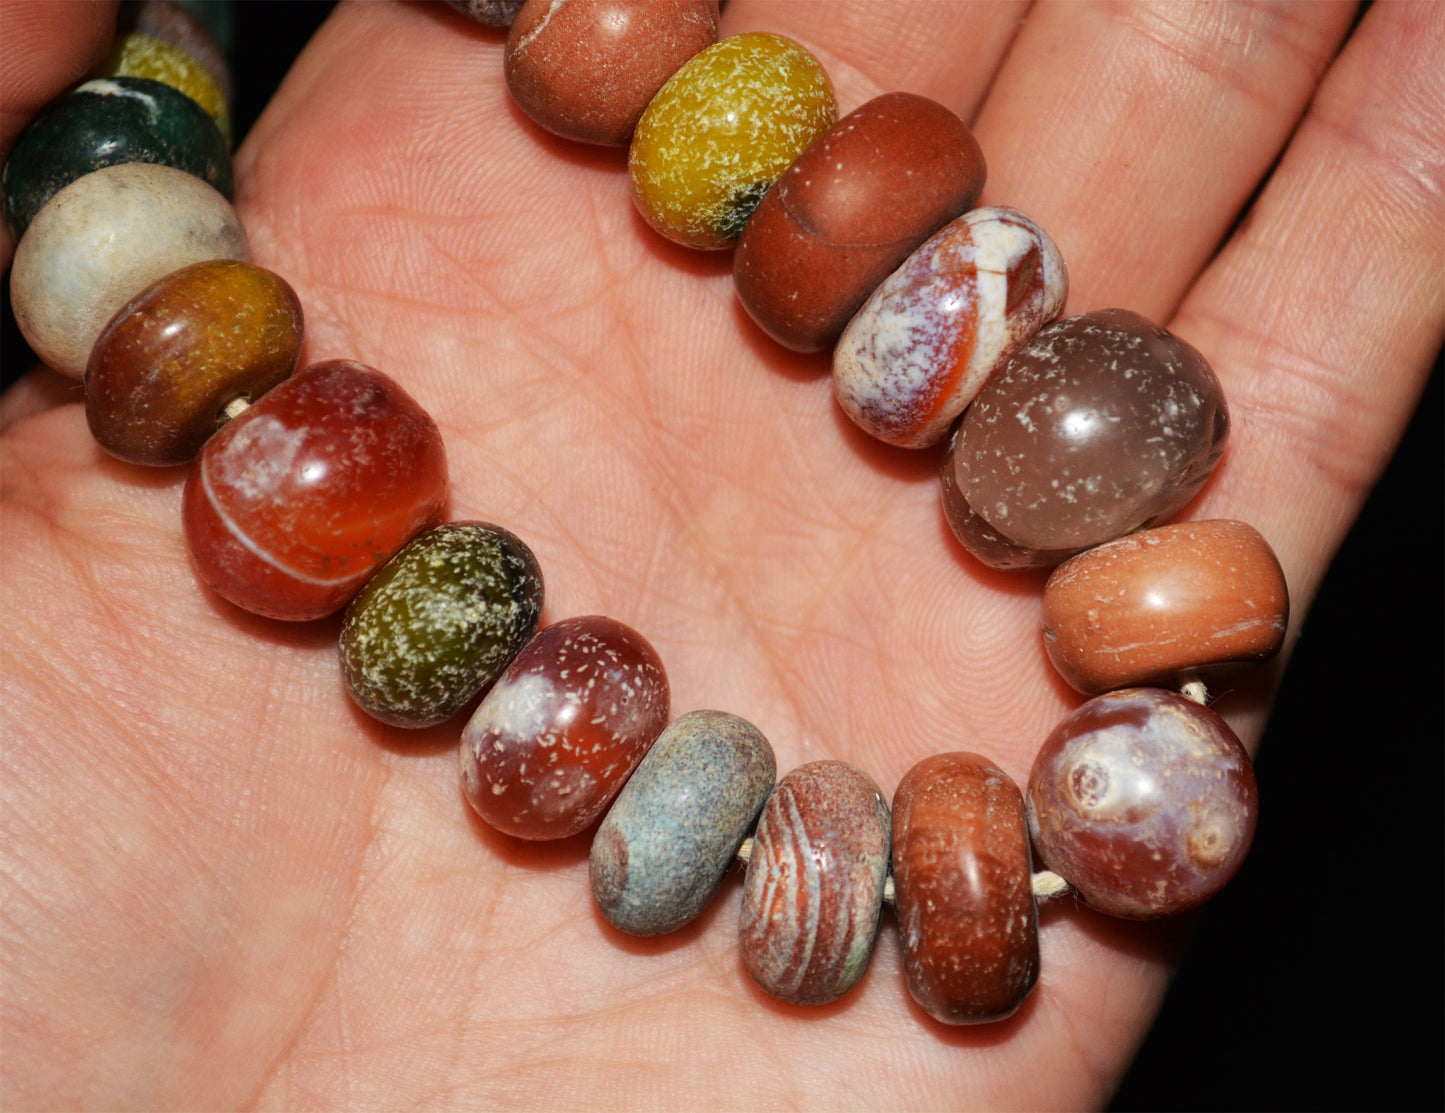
pixel 849 211
pixel 1166 604
pixel 164 370
pixel 586 69
pixel 962 878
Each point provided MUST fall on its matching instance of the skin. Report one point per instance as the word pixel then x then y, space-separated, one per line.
pixel 229 888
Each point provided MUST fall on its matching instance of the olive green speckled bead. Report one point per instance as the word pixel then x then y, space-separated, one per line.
pixel 722 131
pixel 439 622
pixel 136 54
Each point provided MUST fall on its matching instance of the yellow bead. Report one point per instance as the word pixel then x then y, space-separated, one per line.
pixel 138 55
pixel 721 132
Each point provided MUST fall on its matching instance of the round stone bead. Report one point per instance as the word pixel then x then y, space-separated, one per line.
pixel 103 239
pixel 440 622
pixel 722 131
pixel 932 334
pixel 586 69
pixel 163 372
pixel 171 23
pixel 492 13
pixel 670 836
pixel 981 539
pixel 298 501
pixel 1102 424
pixel 1165 605
pixel 562 728
pixel 814 886
pixel 1144 802
pixel 108 122
pixel 963 885
pixel 140 55
pixel 851 208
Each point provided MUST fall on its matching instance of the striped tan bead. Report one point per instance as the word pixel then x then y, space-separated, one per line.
pixel 814 886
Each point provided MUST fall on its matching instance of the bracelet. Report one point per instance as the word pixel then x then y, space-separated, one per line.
pixel 319 489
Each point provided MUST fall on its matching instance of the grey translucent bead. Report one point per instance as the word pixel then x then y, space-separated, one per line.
pixel 666 845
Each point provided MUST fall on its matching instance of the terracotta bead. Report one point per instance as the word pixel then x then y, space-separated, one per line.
pixel 103 239
pixel 586 69
pixel 561 730
pixel 849 211
pixel 163 371
pixel 814 886
pixel 1162 605
pixel 299 500
pixel 1144 802
pixel 672 832
pixel 938 327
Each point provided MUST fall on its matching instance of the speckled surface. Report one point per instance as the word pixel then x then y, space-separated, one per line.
pixel 932 334
pixel 671 834
pixel 814 887
pixel 136 54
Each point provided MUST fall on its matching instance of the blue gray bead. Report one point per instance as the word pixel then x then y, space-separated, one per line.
pixel 666 845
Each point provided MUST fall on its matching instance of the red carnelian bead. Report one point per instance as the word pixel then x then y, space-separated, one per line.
pixel 295 503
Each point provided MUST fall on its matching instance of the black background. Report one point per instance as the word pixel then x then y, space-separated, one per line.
pixel 1315 981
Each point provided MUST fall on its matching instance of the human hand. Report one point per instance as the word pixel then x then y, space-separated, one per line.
pixel 237 890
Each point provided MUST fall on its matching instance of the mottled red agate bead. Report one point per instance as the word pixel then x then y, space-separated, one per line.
pixel 298 501
pixel 560 731
pixel 1144 802
pixel 963 884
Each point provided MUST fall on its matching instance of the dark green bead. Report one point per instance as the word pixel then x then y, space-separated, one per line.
pixel 440 622
pixel 107 122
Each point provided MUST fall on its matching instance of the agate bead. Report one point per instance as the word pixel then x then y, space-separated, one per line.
pixel 1144 802
pixel 932 334
pixel 586 69
pixel 672 832
pixel 814 886
pixel 1164 605
pixel 440 622
pixel 164 370
pixel 1101 424
pixel 136 54
pixel 109 122
pixel 963 884
pixel 721 131
pixel 851 208
pixel 298 501
pixel 103 239
pixel 562 728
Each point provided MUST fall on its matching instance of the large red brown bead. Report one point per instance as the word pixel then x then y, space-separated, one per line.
pixel 294 505
pixel 1164 605
pixel 1144 802
pixel 963 885
pixel 554 739
pixel 849 211
pixel 814 887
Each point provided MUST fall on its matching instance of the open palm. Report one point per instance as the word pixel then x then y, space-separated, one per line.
pixel 225 886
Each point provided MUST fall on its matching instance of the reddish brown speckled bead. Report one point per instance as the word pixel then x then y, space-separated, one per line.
pixel 586 69
pixel 849 211
pixel 962 875
pixel 1198 598
pixel 814 887
pixel 563 727
pixel 1144 802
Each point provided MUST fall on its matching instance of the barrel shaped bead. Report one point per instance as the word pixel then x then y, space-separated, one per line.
pixel 962 877
pixel 814 886
pixel 1164 605
pixel 671 834
pixel 586 69
pixel 1144 802
pixel 440 622
pixel 849 211
pixel 297 502
pixel 103 239
pixel 932 334
pixel 721 132
pixel 165 368
pixel 562 728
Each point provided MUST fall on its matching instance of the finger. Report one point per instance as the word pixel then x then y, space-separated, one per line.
pixel 1136 133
